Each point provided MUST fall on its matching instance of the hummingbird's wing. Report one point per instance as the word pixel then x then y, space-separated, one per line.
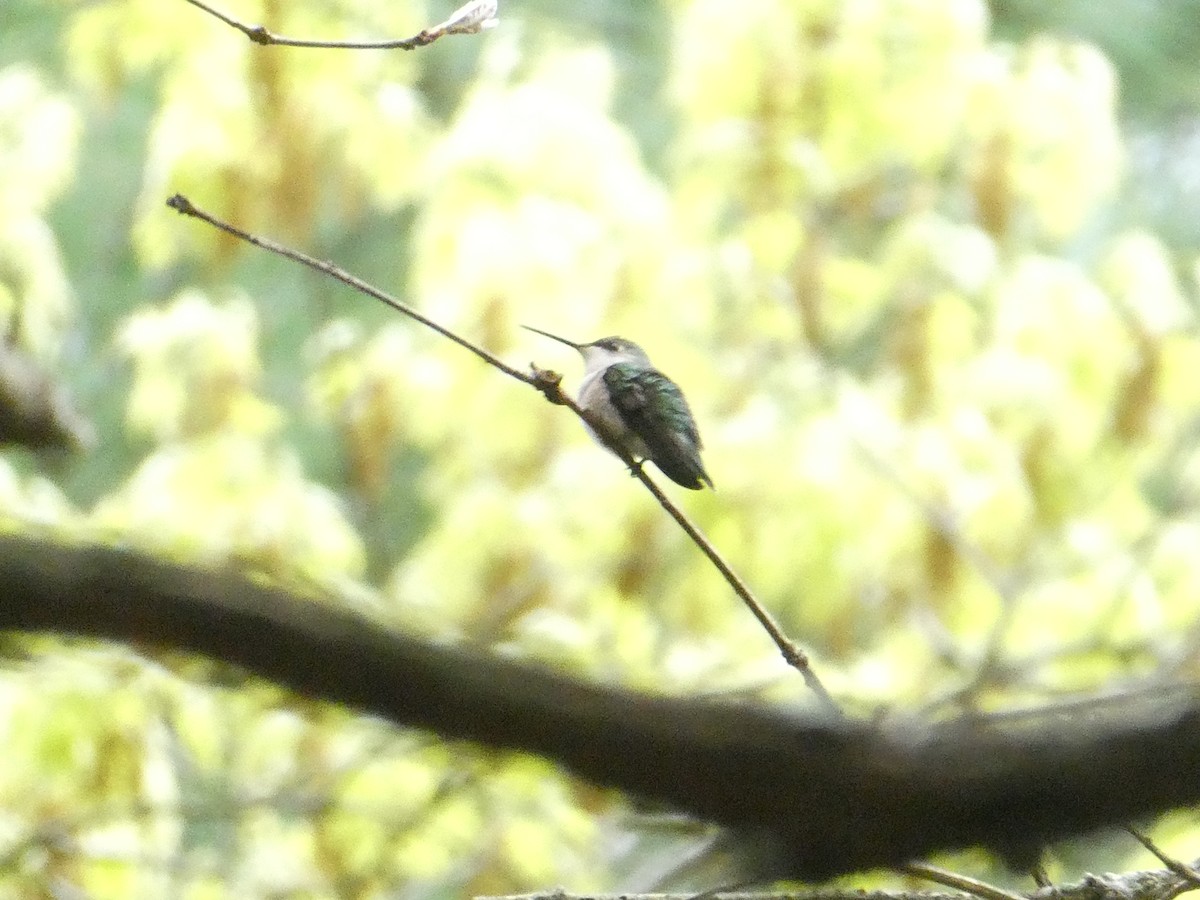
pixel 653 407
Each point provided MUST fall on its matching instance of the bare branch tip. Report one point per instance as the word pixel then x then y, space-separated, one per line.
pixel 470 18
pixel 181 205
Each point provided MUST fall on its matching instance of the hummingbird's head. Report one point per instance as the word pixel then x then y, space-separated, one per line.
pixel 608 350
pixel 602 353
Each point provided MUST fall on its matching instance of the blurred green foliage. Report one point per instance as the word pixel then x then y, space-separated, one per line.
pixel 944 370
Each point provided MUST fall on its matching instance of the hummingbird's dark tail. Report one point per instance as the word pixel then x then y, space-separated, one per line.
pixel 684 473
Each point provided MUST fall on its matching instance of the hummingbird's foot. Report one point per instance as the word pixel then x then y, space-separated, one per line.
pixel 635 471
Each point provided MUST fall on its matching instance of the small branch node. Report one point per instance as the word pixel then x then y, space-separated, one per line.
pixel 548 383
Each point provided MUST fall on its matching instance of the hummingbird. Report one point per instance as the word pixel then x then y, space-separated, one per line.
pixel 638 408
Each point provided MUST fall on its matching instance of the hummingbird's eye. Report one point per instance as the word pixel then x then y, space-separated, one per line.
pixel 611 346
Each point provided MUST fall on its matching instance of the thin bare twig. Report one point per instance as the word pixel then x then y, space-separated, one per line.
pixel 548 383
pixel 470 18
pixel 946 878
pixel 792 654
pixel 1184 871
pixel 182 205
pixel 1162 885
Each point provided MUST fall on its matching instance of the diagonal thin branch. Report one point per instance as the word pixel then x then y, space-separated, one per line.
pixel 792 654
pixel 1188 874
pixel 471 18
pixel 548 383
pixel 182 205
pixel 946 878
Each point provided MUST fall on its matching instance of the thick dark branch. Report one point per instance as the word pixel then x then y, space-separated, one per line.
pixel 824 796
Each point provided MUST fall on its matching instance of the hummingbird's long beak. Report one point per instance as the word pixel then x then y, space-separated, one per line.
pixel 553 337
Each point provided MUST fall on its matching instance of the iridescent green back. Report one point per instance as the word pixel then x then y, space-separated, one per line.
pixel 654 408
